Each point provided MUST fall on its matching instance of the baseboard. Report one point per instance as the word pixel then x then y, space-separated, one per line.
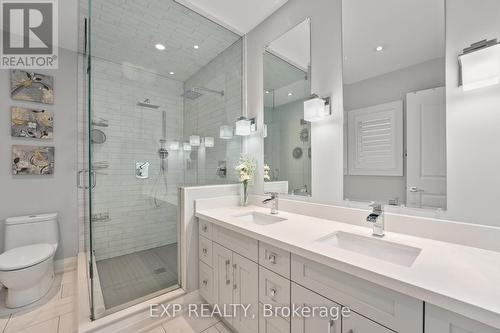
pixel 65 265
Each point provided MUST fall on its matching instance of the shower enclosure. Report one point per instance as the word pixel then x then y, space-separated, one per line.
pixel 160 82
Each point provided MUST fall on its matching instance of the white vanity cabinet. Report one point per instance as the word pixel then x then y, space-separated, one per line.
pixel 438 320
pixel 228 277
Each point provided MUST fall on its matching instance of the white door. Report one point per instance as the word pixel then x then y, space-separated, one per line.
pixel 354 323
pixel 426 148
pixel 223 277
pixel 313 324
pixel 246 292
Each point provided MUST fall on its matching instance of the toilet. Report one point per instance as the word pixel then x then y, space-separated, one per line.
pixel 27 265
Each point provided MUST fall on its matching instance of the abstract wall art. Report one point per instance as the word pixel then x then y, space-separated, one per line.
pixel 32 160
pixel 29 123
pixel 31 87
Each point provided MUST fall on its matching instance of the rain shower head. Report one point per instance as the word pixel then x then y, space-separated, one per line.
pixel 147 104
pixel 195 92
pixel 191 94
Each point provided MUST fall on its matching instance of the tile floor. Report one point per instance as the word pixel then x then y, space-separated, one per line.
pixel 132 276
pixel 54 313
pixel 184 324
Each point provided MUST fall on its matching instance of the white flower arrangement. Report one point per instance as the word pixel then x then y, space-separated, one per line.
pixel 245 169
pixel 267 170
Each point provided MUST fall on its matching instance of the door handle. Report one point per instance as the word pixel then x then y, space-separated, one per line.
pixel 79 180
pixel 414 189
pixel 228 280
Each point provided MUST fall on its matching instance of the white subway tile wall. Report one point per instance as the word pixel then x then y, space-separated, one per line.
pixel 133 134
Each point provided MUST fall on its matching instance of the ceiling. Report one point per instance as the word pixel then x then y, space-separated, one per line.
pixel 240 16
pixel 294 45
pixel 282 78
pixel 411 32
pixel 126 32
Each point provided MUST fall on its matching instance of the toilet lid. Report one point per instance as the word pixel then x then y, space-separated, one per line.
pixel 25 256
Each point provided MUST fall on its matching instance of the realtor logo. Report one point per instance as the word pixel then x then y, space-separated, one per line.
pixel 29 34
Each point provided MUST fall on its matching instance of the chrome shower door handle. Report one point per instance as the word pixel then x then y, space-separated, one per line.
pixel 93 179
pixel 79 180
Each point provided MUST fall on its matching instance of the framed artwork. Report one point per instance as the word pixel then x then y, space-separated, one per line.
pixel 32 160
pixel 31 87
pixel 30 123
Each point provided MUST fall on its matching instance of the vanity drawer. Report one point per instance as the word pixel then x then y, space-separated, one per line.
pixel 243 245
pixel 205 250
pixel 205 228
pixel 387 307
pixel 273 288
pixel 356 323
pixel 273 324
pixel 206 277
pixel 275 259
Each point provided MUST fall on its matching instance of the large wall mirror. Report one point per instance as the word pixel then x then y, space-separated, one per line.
pixel 394 102
pixel 287 137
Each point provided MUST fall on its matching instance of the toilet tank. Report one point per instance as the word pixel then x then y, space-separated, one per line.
pixel 31 229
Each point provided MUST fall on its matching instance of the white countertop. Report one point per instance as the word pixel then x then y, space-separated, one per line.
pixel 462 279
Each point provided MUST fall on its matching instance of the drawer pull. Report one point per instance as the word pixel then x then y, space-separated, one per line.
pixel 205 251
pixel 273 292
pixel 205 282
pixel 272 258
pixel 228 263
pixel 331 326
pixel 204 228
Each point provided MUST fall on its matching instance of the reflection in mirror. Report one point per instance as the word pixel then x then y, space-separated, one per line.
pixel 287 137
pixel 394 102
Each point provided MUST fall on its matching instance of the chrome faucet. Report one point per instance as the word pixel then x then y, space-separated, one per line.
pixel 274 202
pixel 377 218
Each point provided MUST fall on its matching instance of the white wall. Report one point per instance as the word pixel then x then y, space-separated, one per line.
pixel 23 195
pixel 326 79
pixel 473 118
pixel 383 89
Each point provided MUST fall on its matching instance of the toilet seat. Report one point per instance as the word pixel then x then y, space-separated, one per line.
pixel 25 256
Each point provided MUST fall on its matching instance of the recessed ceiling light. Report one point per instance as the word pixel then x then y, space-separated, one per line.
pixel 172 73
pixel 196 47
pixel 160 47
pixel 290 94
pixel 379 48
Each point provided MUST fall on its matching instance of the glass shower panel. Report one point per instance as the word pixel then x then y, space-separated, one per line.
pixel 147 107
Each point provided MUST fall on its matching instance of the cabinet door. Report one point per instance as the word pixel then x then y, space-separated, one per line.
pixel 273 324
pixel 315 323
pixel 438 320
pixel 355 323
pixel 245 292
pixel 223 278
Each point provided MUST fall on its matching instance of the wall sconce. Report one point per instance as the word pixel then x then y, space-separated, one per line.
pixel 317 108
pixel 174 145
pixel 194 140
pixel 226 132
pixel 479 65
pixel 186 146
pixel 245 127
pixel 209 142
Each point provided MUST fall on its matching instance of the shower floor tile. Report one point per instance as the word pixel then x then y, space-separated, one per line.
pixel 132 276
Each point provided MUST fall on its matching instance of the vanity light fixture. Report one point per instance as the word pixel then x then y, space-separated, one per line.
pixel 172 73
pixel 186 146
pixel 480 65
pixel 317 108
pixel 267 91
pixel 290 94
pixel 379 48
pixel 226 132
pixel 245 126
pixel 194 140
pixel 174 145
pixel 160 47
pixel 208 142
pixel 196 47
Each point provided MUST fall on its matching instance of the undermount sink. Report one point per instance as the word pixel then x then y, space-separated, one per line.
pixel 259 218
pixel 398 254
